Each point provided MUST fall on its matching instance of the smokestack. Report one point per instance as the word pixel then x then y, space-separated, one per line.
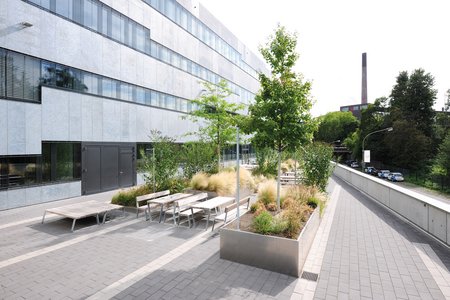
pixel 364 79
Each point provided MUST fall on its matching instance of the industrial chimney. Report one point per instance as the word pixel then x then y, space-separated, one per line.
pixel 364 79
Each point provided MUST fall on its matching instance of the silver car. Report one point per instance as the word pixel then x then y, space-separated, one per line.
pixel 396 177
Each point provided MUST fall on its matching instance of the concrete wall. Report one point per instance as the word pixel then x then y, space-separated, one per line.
pixel 39 194
pixel 431 215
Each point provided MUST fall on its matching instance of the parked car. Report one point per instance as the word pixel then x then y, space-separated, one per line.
pixel 383 173
pixel 374 172
pixel 368 170
pixel 354 164
pixel 395 177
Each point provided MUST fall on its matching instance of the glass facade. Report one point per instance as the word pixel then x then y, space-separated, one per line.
pixel 182 17
pixel 102 19
pixel 59 162
pixel 24 75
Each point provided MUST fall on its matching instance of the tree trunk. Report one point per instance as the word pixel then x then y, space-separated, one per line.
pixel 279 180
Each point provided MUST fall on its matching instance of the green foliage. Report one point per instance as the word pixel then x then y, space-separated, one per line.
pixel 413 97
pixel 316 165
pixel 313 202
pixel 267 161
pixel 335 126
pixel 263 223
pixel 161 168
pixel 280 116
pixel 198 157
pixel 128 197
pixel 408 146
pixel 217 116
pixel 442 162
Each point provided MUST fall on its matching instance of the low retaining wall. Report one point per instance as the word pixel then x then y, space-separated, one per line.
pixel 276 254
pixel 430 214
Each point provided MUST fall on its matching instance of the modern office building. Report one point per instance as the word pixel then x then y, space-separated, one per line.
pixel 83 82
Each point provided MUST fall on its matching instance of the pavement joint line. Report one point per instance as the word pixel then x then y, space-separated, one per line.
pixel 61 245
pixel 434 264
pixel 7 225
pixel 304 288
pixel 127 281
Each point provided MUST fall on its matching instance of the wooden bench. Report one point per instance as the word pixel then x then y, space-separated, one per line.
pixel 183 208
pixel 145 198
pixel 230 213
pixel 82 210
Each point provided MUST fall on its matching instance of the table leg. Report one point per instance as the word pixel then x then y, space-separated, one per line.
pixel 207 220
pixel 73 224
pixel 149 212
pixel 43 217
pixel 160 213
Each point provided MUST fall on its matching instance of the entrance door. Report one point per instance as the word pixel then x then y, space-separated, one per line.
pixel 91 176
pixel 107 166
pixel 126 167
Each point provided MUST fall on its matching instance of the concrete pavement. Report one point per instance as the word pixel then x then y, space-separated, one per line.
pixel 362 251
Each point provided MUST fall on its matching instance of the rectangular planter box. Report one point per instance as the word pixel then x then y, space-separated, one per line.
pixel 272 253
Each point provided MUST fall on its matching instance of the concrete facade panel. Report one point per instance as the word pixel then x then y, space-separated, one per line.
pixel 437 223
pixel 33 128
pixel 75 117
pixel 55 110
pixel 16 128
pixel 86 118
pixel 33 195
pixel 97 118
pixel 16 198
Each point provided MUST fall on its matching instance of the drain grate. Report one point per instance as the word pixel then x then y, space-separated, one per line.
pixel 310 276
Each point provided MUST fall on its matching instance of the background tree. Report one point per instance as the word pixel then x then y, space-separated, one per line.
pixel 280 117
pixel 335 126
pixel 441 164
pixel 217 117
pixel 198 157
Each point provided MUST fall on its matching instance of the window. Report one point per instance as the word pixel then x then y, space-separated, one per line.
pixel 64 8
pixel 140 95
pixel 61 162
pixel 3 174
pixel 106 20
pixel 15 64
pixel 2 73
pixel 115 30
pixel 64 77
pixel 23 170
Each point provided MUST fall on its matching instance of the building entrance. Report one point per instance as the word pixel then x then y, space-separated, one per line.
pixel 107 166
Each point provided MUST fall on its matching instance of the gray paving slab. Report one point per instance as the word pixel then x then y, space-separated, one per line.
pixel 370 253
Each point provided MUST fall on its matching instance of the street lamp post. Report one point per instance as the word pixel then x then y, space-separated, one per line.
pixel 376 131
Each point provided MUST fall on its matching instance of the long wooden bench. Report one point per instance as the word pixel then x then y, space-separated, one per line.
pixel 183 208
pixel 140 200
pixel 82 210
pixel 230 212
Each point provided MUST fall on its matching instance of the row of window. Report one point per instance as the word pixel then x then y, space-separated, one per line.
pixel 102 19
pixel 59 162
pixel 22 76
pixel 124 30
pixel 182 17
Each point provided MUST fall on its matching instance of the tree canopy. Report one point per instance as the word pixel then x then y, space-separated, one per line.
pixel 217 116
pixel 335 126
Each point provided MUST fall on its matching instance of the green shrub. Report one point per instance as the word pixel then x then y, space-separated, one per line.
pixel 254 207
pixel 279 225
pixel 316 165
pixel 128 197
pixel 263 223
pixel 198 157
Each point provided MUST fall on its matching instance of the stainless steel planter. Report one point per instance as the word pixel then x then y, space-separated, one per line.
pixel 277 254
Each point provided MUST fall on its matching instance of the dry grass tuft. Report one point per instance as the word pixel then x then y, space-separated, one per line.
pixel 222 183
pixel 267 191
pixel 199 181
pixel 246 179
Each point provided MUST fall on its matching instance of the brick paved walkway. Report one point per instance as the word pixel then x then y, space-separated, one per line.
pixel 369 253
pixel 372 254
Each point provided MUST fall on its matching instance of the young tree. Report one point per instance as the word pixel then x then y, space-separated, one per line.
pixel 280 116
pixel 161 165
pixel 217 117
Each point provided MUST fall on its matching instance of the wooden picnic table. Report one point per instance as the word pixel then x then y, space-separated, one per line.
pixel 211 204
pixel 166 200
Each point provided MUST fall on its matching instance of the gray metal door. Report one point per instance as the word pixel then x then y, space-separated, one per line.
pixel 126 166
pixel 91 177
pixel 110 167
